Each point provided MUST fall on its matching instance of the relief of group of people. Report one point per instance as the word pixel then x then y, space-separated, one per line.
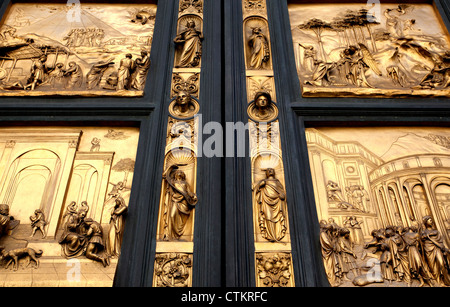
pixel 131 74
pixel 85 37
pixel 84 236
pixel 403 254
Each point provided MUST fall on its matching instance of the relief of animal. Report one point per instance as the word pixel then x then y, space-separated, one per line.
pixel 13 257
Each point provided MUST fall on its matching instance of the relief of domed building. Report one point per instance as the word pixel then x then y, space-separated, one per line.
pixel 364 192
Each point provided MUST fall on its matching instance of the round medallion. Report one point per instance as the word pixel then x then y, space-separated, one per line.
pixel 262 108
pixel 184 106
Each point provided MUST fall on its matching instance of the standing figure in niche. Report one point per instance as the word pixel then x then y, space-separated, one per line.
pixel 191 46
pixel 259 46
pixel 116 228
pixel 271 199
pixel 179 203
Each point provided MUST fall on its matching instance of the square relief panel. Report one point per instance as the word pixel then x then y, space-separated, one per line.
pixel 376 50
pixel 63 203
pixel 88 49
pixel 388 223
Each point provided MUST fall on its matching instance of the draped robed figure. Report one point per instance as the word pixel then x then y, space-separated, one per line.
pixel 116 227
pixel 191 42
pixel 270 196
pixel 435 251
pixel 260 52
pixel 179 203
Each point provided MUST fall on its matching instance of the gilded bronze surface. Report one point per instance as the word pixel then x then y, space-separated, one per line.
pixel 274 270
pixel 262 109
pixel 173 270
pixel 269 202
pixel 354 50
pixel 64 194
pixel 176 221
pixel 84 50
pixel 382 202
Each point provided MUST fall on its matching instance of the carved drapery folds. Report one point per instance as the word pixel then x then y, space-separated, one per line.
pixel 385 51
pixel 57 50
pixel 394 254
pixel 257 48
pixel 269 201
pixel 270 197
pixel 69 195
pixel 176 221
pixel 383 206
pixel 189 42
pixel 179 198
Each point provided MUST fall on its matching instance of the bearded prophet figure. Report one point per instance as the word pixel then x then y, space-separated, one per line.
pixel 180 201
pixel 271 199
pixel 259 45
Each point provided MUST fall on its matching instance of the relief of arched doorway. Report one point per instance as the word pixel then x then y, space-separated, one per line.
pixel 440 187
pixel 89 183
pixel 30 183
pixel 29 192
pixel 421 200
pixel 83 185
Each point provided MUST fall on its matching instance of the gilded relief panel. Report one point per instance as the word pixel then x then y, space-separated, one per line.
pixel 274 270
pixel 382 201
pixel 385 50
pixel 173 270
pixel 88 49
pixel 64 195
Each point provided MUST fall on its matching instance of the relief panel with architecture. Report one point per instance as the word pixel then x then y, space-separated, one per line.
pixel 382 198
pixel 64 195
pixel 382 50
pixel 89 49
